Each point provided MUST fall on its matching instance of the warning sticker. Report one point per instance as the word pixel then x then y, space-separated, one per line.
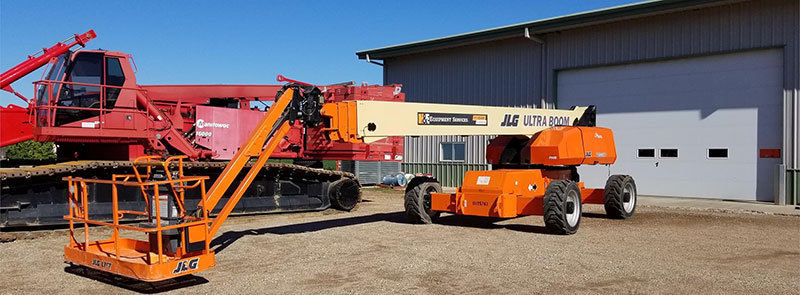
pixel 452 119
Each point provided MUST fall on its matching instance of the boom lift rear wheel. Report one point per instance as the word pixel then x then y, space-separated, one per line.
pixel 562 207
pixel 620 196
pixel 418 200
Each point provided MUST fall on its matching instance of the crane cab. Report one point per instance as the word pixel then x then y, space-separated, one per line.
pixel 81 85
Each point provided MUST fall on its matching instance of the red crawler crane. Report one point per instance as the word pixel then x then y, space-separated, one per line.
pixel 90 104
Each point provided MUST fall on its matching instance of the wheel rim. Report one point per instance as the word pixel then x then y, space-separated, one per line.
pixel 573 208
pixel 628 198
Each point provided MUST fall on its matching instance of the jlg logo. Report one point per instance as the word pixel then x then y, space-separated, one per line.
pixel 510 120
pixel 184 265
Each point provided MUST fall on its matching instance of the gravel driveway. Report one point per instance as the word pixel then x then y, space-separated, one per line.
pixel 373 251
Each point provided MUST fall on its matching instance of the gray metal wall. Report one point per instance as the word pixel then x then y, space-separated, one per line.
pixel 371 172
pixel 449 174
pixel 430 153
pixel 502 72
pixel 521 72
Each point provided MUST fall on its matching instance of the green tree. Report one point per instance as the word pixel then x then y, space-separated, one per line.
pixel 31 150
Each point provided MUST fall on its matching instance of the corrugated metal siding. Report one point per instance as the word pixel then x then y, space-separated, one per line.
pixel 369 172
pixel 449 174
pixel 475 148
pixel 732 27
pixel 504 73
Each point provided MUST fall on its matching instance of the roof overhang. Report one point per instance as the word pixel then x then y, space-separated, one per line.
pixel 541 26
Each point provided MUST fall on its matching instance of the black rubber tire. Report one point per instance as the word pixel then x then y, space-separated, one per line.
pixel 418 209
pixel 614 196
pixel 555 207
pixel 345 194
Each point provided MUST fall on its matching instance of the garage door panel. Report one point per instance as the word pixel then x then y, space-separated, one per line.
pixel 729 101
pixel 681 98
pixel 708 82
pixel 717 65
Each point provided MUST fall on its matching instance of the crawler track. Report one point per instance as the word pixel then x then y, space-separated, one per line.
pixel 33 196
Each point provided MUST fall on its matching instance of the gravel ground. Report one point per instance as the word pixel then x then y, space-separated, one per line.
pixel 372 250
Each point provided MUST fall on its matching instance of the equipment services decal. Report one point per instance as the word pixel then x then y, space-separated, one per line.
pixel 452 119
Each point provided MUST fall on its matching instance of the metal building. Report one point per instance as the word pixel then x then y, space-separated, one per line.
pixel 703 96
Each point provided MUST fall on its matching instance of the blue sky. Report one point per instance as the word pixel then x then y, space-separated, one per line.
pixel 250 42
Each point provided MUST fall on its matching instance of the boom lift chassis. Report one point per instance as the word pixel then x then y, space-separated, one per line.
pixel 534 175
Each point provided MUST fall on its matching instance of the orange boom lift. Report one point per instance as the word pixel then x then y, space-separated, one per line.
pixel 548 185
pixel 535 155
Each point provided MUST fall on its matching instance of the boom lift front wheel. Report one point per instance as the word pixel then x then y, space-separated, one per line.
pixel 562 207
pixel 418 200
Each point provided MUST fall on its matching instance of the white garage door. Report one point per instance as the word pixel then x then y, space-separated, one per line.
pixel 691 127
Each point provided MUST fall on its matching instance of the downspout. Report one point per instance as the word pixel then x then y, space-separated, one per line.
pixel 796 120
pixel 372 61
pixel 542 65
pixel 788 192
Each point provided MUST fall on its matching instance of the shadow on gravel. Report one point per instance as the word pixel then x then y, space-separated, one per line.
pixel 489 223
pixel 227 238
pixel 136 285
pixel 594 215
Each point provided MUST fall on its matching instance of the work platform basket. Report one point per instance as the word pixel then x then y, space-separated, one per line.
pixel 177 242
